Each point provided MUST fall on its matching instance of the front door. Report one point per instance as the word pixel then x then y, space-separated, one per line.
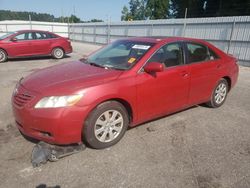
pixel 167 91
pixel 21 46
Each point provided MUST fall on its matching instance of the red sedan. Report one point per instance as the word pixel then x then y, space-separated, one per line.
pixel 122 85
pixel 27 43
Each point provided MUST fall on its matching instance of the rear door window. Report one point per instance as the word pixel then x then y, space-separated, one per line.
pixel 44 35
pixel 40 36
pixel 197 53
pixel 213 55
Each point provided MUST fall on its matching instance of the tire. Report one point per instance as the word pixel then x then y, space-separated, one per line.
pixel 58 53
pixel 3 56
pixel 219 94
pixel 106 125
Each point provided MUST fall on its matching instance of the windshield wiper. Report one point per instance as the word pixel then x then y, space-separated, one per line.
pixel 113 67
pixel 106 66
pixel 93 64
pixel 96 65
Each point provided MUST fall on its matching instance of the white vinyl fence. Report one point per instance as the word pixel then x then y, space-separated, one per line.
pixel 58 28
pixel 231 34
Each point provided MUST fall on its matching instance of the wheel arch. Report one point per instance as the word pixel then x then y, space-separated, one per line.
pixel 4 51
pixel 228 79
pixel 127 106
pixel 123 102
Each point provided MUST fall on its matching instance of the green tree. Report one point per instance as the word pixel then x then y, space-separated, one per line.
pixel 209 8
pixel 145 9
pixel 96 20
pixel 195 8
pixel 226 8
pixel 125 14
pixel 74 19
pixel 14 15
pixel 157 9
pixel 137 10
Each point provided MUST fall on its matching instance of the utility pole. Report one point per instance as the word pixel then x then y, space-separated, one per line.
pixel 108 28
pixel 62 18
pixel 30 21
pixel 74 14
pixel 185 23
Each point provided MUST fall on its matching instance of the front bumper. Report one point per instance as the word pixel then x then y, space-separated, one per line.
pixel 53 125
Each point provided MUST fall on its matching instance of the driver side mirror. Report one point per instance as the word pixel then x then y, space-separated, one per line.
pixel 153 67
pixel 14 39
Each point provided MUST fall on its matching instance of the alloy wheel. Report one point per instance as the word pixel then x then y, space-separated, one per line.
pixel 2 56
pixel 220 93
pixel 108 126
pixel 58 53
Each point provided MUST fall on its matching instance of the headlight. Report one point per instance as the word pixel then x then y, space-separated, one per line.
pixel 58 101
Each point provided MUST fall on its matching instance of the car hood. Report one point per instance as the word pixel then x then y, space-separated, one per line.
pixel 68 77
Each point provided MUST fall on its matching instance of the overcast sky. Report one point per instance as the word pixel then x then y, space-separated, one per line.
pixel 84 9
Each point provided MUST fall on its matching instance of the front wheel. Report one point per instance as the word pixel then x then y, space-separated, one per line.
pixel 106 125
pixel 3 56
pixel 58 53
pixel 219 94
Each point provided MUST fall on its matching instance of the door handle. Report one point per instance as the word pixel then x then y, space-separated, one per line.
pixel 218 66
pixel 184 74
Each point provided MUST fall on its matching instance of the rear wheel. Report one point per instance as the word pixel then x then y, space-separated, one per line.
pixel 3 56
pixel 106 125
pixel 58 53
pixel 219 94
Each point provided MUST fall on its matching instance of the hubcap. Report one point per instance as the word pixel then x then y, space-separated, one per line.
pixel 58 53
pixel 108 126
pixel 220 93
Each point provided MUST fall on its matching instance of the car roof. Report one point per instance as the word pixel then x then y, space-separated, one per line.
pixel 31 30
pixel 156 39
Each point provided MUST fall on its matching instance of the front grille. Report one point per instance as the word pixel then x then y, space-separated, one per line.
pixel 21 97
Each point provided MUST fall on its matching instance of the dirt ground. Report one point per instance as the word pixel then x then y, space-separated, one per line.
pixel 196 148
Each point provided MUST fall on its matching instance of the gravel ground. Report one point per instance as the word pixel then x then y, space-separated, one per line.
pixel 199 147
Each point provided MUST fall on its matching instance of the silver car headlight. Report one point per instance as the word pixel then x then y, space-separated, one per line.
pixel 58 101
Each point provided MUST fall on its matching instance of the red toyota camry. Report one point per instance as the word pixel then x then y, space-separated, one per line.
pixel 124 84
pixel 27 43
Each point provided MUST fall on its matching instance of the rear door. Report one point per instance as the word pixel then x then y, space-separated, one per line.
pixel 42 43
pixel 204 65
pixel 166 91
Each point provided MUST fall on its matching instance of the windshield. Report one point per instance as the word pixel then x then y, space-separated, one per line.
pixel 121 55
pixel 6 35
